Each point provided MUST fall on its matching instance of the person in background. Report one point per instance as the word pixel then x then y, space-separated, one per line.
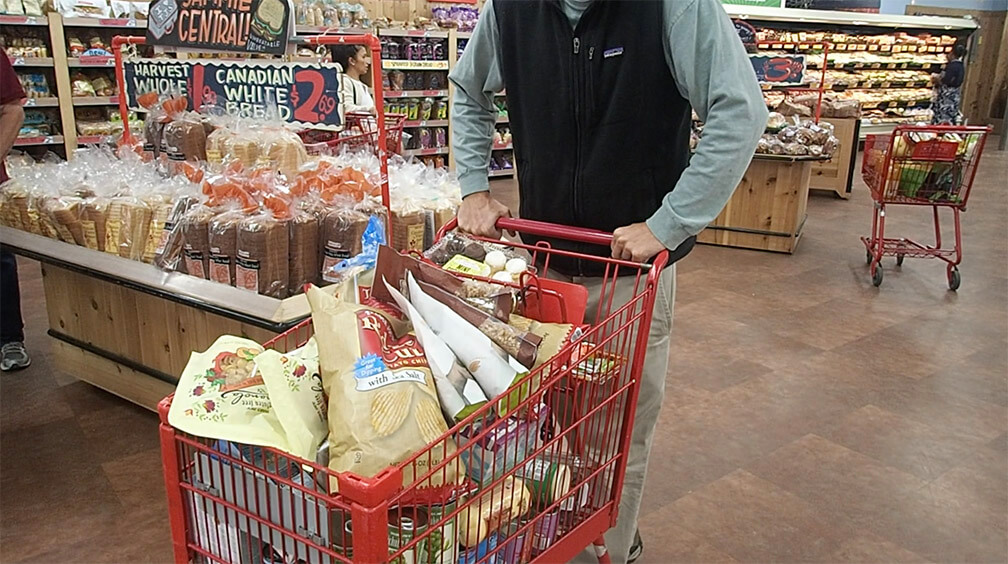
pixel 948 89
pixel 600 110
pixel 12 97
pixel 355 61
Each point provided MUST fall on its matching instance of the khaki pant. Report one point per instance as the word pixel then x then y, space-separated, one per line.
pixel 652 391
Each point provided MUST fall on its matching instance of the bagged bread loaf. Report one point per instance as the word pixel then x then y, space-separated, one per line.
pixel 161 209
pixel 283 150
pixel 170 248
pixel 127 226
pixel 184 139
pixel 262 254
pixel 304 250
pixel 383 405
pixel 64 214
pixel 223 244
pixel 341 236
pixel 409 226
pixel 93 214
pixel 196 242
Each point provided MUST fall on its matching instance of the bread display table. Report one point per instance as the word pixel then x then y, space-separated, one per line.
pixel 129 327
pixel 767 210
pixel 837 174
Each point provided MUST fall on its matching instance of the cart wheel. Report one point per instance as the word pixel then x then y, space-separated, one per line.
pixel 954 279
pixel 876 278
pixel 899 260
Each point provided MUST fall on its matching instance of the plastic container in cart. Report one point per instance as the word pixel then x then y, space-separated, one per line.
pixel 551 489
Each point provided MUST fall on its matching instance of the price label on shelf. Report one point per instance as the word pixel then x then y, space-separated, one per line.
pixel 859 65
pixel 18 61
pixel 873 47
pixel 885 85
pixel 890 66
pixel 29 102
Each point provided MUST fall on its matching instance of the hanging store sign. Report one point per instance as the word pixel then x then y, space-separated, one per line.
pixel 300 93
pixel 243 26
pixel 779 69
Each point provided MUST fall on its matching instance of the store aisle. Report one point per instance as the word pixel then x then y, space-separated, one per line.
pixel 808 415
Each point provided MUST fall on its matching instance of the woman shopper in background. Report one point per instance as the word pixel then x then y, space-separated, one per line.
pixel 948 89
pixel 355 61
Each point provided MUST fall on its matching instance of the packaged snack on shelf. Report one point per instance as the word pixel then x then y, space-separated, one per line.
pixel 383 404
pixel 81 86
pixel 263 250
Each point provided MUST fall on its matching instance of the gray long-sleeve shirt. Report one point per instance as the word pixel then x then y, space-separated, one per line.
pixel 712 71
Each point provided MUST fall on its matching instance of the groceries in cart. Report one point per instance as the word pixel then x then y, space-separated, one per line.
pixel 923 165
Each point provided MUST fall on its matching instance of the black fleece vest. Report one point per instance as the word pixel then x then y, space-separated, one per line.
pixel 601 133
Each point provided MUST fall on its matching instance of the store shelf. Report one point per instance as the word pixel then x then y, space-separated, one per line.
pixel 23 20
pixel 807 18
pixel 879 65
pixel 501 173
pixel 95 100
pixel 504 147
pixel 32 141
pixel 416 94
pixel 854 47
pixel 310 30
pixel 426 123
pixel 105 22
pixel 412 33
pixel 42 102
pixel 182 288
pixel 896 104
pixel 415 65
pixel 425 152
pixel 503 119
pixel 879 84
pixel 102 61
pixel 32 61
pixel 92 139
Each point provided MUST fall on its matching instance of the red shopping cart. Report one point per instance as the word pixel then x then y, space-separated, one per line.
pixel 568 440
pixel 932 166
pixel 360 132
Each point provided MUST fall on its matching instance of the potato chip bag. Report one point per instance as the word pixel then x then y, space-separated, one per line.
pixel 383 405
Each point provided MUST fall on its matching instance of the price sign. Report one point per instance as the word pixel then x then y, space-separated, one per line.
pixel 242 26
pixel 29 102
pixel 784 69
pixel 301 93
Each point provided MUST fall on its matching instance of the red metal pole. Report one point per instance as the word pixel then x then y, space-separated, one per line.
pixel 117 43
pixel 172 478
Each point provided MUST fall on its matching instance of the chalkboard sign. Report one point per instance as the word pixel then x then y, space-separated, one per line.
pixel 243 26
pixel 746 32
pixel 779 69
pixel 300 93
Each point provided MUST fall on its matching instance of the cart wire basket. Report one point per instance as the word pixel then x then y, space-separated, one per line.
pixel 360 132
pixel 932 165
pixel 540 481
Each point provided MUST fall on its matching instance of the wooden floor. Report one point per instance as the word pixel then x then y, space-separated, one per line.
pixel 808 417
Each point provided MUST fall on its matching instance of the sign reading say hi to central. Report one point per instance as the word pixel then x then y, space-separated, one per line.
pixel 242 26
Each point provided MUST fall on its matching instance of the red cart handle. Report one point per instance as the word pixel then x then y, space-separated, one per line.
pixel 543 229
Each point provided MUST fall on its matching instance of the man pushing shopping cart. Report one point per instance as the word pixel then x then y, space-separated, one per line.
pixel 600 96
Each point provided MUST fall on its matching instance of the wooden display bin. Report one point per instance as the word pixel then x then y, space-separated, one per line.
pixel 837 174
pixel 767 210
pixel 129 328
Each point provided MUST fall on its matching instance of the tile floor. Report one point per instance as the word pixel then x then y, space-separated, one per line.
pixel 809 416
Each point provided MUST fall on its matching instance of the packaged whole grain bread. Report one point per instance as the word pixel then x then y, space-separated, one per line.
pixel 184 139
pixel 223 244
pixel 263 249
pixel 304 250
pixel 196 241
pixel 342 231
pixel 383 404
pixel 409 227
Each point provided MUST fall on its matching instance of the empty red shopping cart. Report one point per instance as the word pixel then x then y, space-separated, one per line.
pixel 568 441
pixel 932 166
